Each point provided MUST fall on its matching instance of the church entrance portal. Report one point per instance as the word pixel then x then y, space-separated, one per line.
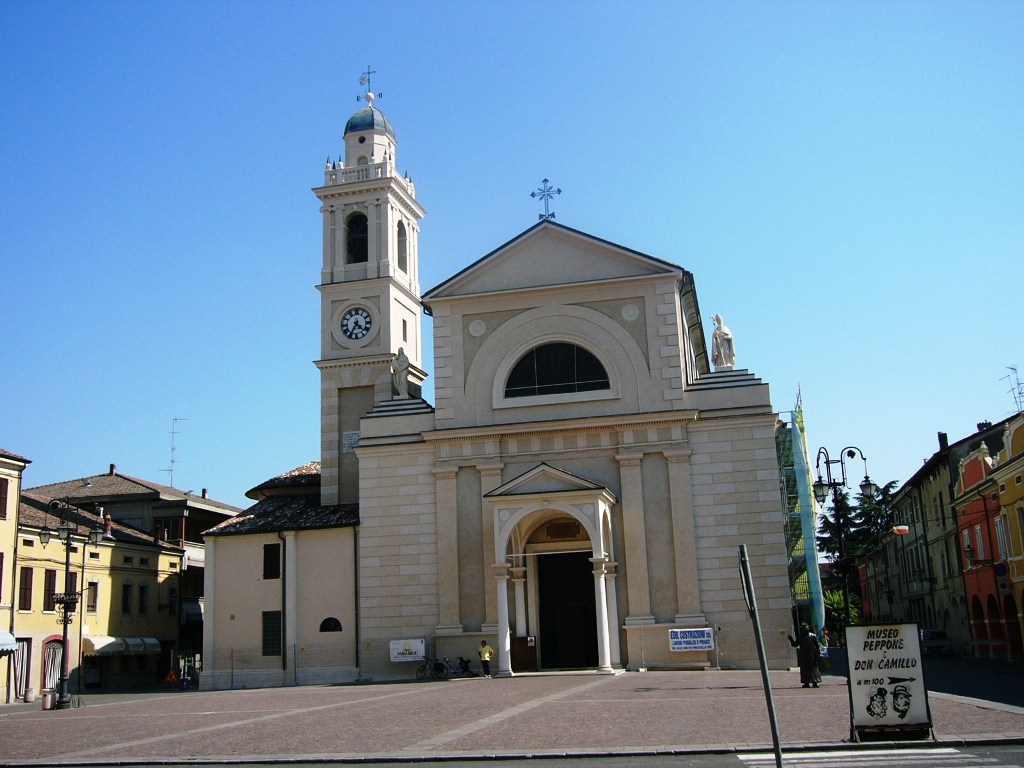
pixel 567 611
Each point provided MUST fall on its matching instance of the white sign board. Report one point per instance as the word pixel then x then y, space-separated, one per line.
pixel 699 639
pixel 886 678
pixel 408 650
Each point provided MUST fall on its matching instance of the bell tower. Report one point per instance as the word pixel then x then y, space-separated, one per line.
pixel 369 291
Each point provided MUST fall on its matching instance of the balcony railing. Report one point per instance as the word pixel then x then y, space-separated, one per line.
pixel 358 173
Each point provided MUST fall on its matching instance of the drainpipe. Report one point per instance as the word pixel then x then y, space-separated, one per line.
pixel 284 601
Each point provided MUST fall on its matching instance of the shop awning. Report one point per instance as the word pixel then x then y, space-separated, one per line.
pixel 152 645
pixel 7 643
pixel 191 612
pixel 133 645
pixel 101 645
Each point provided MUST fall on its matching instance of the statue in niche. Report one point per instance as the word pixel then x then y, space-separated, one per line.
pixel 723 351
pixel 400 374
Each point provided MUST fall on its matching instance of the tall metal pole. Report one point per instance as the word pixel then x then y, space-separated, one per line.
pixel 63 699
pixel 748 596
pixel 840 526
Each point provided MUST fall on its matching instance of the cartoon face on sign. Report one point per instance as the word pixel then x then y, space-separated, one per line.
pixel 901 700
pixel 877 706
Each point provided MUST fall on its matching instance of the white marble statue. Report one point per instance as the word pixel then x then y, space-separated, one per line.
pixel 723 351
pixel 400 373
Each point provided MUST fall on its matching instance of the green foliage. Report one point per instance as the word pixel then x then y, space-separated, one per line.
pixel 835 616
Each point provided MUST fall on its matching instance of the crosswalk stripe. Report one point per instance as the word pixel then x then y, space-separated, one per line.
pixel 876 758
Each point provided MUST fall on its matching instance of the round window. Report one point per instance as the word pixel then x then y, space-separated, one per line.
pixel 362 139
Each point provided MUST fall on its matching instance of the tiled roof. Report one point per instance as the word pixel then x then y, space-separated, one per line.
pixel 9 455
pixel 288 513
pixel 304 476
pixel 34 512
pixel 116 484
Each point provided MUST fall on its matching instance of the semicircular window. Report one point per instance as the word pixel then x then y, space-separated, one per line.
pixel 330 624
pixel 554 369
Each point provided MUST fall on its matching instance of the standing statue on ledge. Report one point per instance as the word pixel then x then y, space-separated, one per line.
pixel 723 352
pixel 400 374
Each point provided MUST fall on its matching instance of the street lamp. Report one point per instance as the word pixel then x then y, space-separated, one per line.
pixel 821 488
pixel 67 601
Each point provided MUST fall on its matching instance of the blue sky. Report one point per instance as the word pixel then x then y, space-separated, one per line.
pixel 845 181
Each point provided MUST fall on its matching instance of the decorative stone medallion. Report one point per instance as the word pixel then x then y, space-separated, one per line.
pixel 630 312
pixel 477 328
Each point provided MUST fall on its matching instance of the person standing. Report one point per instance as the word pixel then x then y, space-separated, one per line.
pixel 808 652
pixel 486 652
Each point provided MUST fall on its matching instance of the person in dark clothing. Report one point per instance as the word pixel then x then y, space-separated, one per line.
pixel 808 653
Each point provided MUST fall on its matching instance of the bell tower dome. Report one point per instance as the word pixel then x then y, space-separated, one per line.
pixel 369 290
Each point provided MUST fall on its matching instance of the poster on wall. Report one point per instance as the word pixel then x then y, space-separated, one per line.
pixel 408 650
pixel 886 682
pixel 697 639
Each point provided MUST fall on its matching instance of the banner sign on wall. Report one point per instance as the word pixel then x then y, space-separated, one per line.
pixel 408 650
pixel 886 682
pixel 699 639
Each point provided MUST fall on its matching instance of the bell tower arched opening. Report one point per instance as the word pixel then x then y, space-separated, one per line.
pixel 357 240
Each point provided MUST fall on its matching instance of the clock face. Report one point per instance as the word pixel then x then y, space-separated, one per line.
pixel 356 323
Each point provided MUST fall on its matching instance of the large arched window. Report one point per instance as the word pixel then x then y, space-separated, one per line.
pixel 403 248
pixel 357 245
pixel 553 369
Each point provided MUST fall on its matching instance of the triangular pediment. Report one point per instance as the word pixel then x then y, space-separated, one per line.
pixel 550 254
pixel 546 479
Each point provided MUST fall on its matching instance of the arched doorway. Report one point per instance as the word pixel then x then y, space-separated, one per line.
pixel 995 623
pixel 979 630
pixel 1012 623
pixel 53 656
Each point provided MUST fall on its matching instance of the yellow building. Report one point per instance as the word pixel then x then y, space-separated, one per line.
pixel 124 629
pixel 11 467
pixel 1008 473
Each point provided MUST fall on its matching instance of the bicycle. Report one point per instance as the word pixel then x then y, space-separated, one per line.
pixel 459 668
pixel 432 668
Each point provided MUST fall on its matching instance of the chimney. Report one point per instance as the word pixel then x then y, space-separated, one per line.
pixel 113 469
pixel 157 531
pixel 943 441
pixel 204 493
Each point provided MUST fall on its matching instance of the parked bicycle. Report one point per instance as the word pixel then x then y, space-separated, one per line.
pixel 432 668
pixel 459 668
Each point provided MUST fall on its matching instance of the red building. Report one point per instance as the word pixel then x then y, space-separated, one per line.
pixel 984 544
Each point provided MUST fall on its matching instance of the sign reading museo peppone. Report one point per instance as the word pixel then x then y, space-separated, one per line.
pixel 886 681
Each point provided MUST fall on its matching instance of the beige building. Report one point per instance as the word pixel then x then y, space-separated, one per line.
pixel 11 468
pixel 579 488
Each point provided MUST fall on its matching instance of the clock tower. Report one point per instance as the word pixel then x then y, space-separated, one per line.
pixel 369 293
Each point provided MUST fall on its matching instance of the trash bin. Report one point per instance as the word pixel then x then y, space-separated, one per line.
pixel 30 695
pixel 49 699
pixel 183 683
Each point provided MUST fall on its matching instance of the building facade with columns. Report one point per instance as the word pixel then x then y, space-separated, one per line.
pixel 583 480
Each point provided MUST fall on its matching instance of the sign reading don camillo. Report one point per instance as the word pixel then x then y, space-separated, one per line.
pixel 886 678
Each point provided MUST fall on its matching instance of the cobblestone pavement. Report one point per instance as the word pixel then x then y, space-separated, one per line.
pixel 524 715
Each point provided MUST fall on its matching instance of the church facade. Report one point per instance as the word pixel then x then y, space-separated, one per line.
pixel 579 488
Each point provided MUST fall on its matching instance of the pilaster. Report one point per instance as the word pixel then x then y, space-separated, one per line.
pixel 638 588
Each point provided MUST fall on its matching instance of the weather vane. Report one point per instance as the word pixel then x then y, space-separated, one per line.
pixel 364 80
pixel 545 193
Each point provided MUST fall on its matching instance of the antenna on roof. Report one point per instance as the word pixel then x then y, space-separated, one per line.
pixel 1016 387
pixel 174 431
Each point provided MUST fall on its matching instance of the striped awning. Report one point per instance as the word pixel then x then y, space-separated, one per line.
pixel 102 645
pixel 7 643
pixel 152 645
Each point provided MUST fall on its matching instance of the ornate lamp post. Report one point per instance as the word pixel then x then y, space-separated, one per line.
pixel 67 601
pixel 822 486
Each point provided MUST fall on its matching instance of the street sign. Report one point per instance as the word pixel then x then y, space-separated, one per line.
pixel 698 639
pixel 886 680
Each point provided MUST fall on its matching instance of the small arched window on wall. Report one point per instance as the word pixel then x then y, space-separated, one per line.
pixel 357 246
pixel 553 369
pixel 403 248
pixel 330 624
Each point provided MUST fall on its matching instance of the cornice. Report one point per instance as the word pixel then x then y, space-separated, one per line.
pixel 600 423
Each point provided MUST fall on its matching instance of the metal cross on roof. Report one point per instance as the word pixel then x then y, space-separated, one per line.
pixel 364 80
pixel 545 193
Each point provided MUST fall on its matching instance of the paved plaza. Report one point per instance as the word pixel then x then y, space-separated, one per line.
pixel 574 714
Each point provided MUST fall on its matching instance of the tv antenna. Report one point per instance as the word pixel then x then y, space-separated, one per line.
pixel 364 80
pixel 174 431
pixel 1016 387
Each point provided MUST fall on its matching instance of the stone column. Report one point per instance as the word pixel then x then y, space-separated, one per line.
pixel 504 640
pixel 635 535
pixel 684 542
pixel 490 478
pixel 518 581
pixel 601 600
pixel 614 652
pixel 449 618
